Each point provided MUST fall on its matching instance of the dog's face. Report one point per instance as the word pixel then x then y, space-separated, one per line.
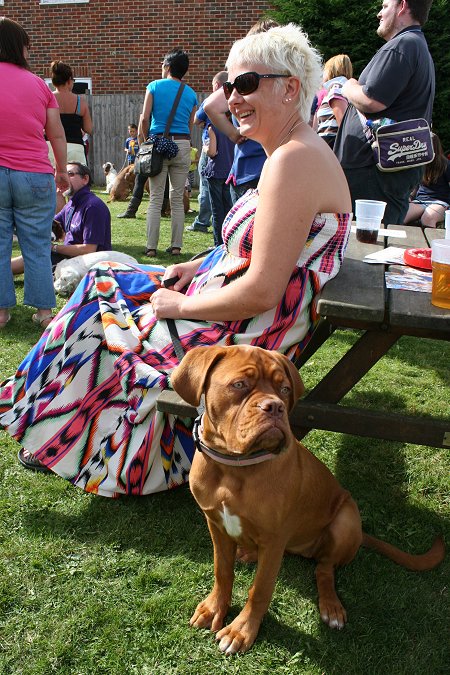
pixel 107 166
pixel 248 394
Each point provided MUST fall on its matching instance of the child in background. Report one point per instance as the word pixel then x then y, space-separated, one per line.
pixel 432 198
pixel 131 145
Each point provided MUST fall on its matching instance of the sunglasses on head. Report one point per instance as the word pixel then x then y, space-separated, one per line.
pixel 246 83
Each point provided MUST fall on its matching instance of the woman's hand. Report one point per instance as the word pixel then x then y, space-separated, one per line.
pixel 166 304
pixel 62 181
pixel 185 273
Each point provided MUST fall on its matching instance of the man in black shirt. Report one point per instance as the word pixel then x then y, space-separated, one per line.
pixel 398 84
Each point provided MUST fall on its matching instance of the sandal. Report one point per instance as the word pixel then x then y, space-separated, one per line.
pixel 29 461
pixel 150 252
pixel 44 320
pixel 176 251
pixel 5 321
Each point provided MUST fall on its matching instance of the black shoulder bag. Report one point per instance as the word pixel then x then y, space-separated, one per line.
pixel 149 159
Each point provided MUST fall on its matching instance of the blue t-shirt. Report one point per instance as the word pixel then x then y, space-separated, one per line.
pixel 219 166
pixel 86 220
pixel 249 158
pixel 164 93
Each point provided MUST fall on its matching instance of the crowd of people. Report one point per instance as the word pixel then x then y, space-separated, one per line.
pixel 279 236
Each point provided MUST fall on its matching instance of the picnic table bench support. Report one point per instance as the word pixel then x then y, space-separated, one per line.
pixel 319 409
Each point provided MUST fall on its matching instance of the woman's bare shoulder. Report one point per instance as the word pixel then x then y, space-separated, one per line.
pixel 306 168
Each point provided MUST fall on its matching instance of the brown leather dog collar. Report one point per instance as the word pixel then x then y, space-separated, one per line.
pixel 221 457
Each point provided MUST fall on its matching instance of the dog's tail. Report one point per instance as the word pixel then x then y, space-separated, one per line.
pixel 418 563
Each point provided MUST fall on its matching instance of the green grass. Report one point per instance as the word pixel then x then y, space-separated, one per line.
pixel 91 586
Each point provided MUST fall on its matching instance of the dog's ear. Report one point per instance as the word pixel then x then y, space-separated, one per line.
pixel 294 376
pixel 188 379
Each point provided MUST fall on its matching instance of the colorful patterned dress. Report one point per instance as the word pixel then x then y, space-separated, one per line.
pixel 83 400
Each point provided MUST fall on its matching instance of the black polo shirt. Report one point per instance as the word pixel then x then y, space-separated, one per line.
pixel 400 75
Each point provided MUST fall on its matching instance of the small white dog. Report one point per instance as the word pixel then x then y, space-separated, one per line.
pixel 110 174
pixel 69 272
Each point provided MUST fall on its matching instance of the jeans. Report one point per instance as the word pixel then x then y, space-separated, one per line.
pixel 220 196
pixel 177 168
pixel 394 188
pixel 27 204
pixel 204 203
pixel 238 190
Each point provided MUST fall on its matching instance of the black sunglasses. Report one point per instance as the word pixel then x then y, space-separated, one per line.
pixel 246 83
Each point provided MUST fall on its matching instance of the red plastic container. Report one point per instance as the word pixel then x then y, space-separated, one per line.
pixel 418 257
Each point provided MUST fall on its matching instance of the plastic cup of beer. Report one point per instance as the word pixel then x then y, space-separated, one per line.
pixel 369 214
pixel 440 265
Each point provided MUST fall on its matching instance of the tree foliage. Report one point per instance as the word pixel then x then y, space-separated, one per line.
pixel 349 27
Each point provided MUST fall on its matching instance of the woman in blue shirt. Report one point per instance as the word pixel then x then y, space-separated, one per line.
pixel 158 102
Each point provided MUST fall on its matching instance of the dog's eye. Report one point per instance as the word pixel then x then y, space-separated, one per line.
pixel 285 390
pixel 238 385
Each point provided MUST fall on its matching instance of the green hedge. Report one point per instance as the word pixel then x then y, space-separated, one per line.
pixel 349 27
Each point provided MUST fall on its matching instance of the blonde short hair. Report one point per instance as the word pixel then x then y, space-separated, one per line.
pixel 284 50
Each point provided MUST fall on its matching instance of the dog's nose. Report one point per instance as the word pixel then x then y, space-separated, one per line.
pixel 272 406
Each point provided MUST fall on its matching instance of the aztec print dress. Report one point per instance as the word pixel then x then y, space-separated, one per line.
pixel 83 400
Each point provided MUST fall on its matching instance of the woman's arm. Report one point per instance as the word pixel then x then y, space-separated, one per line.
pixel 192 119
pixel 144 120
pixel 86 115
pixel 338 106
pixel 55 133
pixel 216 107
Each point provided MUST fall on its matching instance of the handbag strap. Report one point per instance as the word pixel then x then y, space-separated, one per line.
pixel 174 109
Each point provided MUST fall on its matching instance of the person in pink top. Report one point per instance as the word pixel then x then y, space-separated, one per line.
pixel 27 179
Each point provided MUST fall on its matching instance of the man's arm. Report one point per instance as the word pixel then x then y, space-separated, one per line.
pixel 354 93
pixel 73 250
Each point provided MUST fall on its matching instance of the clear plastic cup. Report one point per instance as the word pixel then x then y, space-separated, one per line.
pixel 440 265
pixel 369 214
pixel 447 224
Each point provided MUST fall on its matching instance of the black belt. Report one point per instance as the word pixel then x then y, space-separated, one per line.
pixel 175 137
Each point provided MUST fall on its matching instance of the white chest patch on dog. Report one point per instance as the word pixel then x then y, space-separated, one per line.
pixel 232 524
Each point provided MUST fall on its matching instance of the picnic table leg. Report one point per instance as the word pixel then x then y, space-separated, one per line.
pixel 355 363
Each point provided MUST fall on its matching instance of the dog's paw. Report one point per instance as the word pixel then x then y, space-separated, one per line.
pixel 209 614
pixel 238 636
pixel 333 614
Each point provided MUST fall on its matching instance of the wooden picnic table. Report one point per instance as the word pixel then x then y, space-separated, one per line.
pixel 357 298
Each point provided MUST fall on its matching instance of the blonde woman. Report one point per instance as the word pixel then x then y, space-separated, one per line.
pixel 331 110
pixel 87 408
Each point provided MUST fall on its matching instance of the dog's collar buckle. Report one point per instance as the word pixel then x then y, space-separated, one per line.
pixel 221 457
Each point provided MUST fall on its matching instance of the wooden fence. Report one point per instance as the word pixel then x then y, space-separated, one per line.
pixel 111 115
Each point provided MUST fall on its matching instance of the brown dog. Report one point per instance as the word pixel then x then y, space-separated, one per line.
pixel 264 492
pixel 123 185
